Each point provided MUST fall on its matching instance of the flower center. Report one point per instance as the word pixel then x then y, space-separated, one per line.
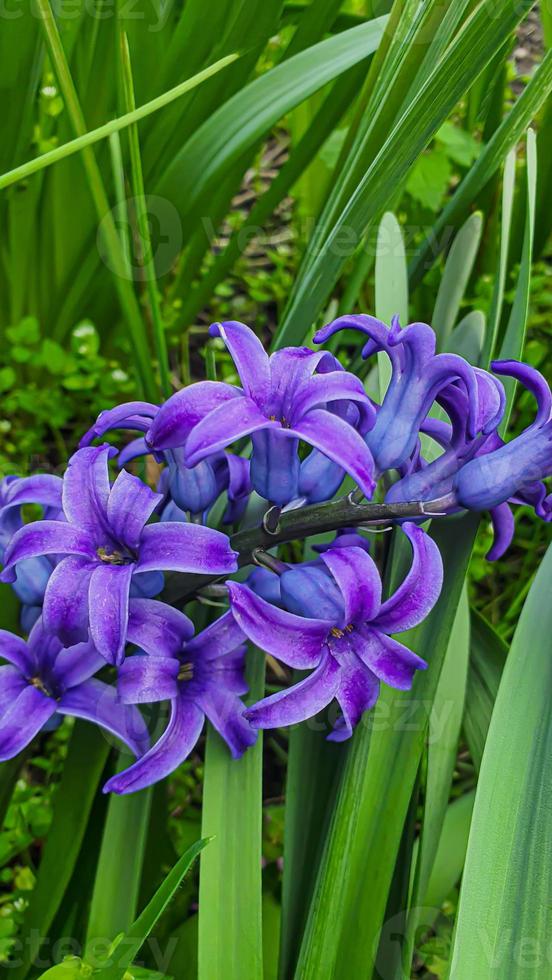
pixel 186 672
pixel 283 421
pixel 113 557
pixel 338 633
pixel 40 686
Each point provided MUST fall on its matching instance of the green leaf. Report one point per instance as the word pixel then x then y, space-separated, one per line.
pixel 502 141
pixel 514 338
pixel 119 864
pixel 73 803
pixel 504 909
pixel 230 886
pixel 391 284
pixel 245 118
pixel 459 145
pixel 129 945
pixel 468 337
pixel 467 55
pixel 458 268
pixel 363 842
pixel 429 179
pixel 450 855
pixel 497 303
pixel 72 968
pixel 444 732
pixel 487 659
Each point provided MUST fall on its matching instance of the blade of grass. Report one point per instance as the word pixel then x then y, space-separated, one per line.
pixel 508 183
pixel 504 907
pixel 113 126
pixel 230 886
pixel 126 951
pixel 142 223
pixel 391 284
pixel 487 658
pixel 514 337
pixel 111 238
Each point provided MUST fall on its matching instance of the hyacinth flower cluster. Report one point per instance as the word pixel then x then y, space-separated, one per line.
pixel 112 573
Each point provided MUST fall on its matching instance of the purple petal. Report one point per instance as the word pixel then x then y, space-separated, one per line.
pixel 165 756
pixel 225 712
pixel 99 703
pixel 249 356
pixel 108 599
pixel 419 591
pixel 217 640
pixel 158 628
pixel 359 581
pixel 185 548
pixel 357 692
pixel 138 414
pixel 144 679
pixel 387 659
pixel 322 389
pixel 275 465
pixel 534 381
pixel 76 664
pixel 45 538
pixel 11 686
pixel 131 503
pixel 363 323
pixel 86 488
pixel 503 528
pixel 66 600
pixel 44 489
pixel 184 410
pixel 339 442
pixel 16 652
pixel 299 702
pixel 224 425
pixel 23 720
pixel 292 639
pixel 134 449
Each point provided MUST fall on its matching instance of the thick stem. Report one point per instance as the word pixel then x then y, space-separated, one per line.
pixel 302 523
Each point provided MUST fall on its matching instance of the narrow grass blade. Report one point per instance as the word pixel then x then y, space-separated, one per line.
pixel 123 955
pixel 112 241
pixel 450 855
pixel 503 140
pixel 72 807
pixel 391 284
pixel 508 183
pixel 145 257
pixel 487 658
pixel 113 126
pixel 468 337
pixel 514 337
pixel 230 887
pixel 505 897
pixel 458 269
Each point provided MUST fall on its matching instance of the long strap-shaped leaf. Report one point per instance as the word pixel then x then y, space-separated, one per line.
pixel 84 765
pixel 245 118
pixel 230 888
pixel 465 58
pixel 504 910
pixel 374 797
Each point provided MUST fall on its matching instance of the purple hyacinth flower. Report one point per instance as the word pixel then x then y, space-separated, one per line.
pixel 42 679
pixel 336 625
pixel 103 544
pixel 284 399
pixel 195 489
pixel 202 677
pixel 512 469
pixel 418 376
pixel 32 575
